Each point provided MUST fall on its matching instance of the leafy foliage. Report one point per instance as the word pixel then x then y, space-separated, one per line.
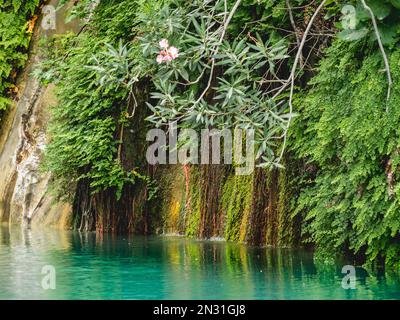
pixel 387 13
pixel 15 34
pixel 97 74
pixel 87 122
pixel 344 131
pixel 225 76
pixel 217 81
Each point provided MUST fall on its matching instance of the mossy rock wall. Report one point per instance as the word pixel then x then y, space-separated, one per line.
pixel 212 202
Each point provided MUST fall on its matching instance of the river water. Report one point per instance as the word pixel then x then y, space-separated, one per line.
pixel 90 266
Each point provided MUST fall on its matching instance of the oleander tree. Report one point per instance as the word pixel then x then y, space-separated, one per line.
pixel 203 74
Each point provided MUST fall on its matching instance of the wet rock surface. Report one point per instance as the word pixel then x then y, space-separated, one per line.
pixel 24 196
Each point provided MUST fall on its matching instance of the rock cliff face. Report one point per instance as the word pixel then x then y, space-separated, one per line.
pixel 24 196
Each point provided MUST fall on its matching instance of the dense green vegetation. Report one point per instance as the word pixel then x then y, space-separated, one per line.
pixel 15 32
pixel 345 131
pixel 85 142
pixel 231 68
pixel 97 73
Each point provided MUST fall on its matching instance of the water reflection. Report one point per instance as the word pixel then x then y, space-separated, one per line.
pixel 91 266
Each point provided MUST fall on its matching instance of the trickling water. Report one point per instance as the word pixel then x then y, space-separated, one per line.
pixel 90 266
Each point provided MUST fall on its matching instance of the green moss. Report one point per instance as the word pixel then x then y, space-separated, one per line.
pixel 173 197
pixel 181 211
pixel 192 214
pixel 285 235
pixel 236 205
pixel 289 227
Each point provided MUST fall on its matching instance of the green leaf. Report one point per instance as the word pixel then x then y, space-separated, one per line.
pixel 395 3
pixel 388 34
pixel 380 8
pixel 352 35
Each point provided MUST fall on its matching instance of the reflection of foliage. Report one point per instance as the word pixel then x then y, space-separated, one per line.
pixel 14 41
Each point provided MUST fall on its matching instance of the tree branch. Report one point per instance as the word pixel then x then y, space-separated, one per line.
pixel 225 27
pixel 385 58
pixel 292 76
pixel 293 23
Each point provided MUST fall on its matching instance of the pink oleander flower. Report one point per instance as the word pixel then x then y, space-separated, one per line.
pixel 160 59
pixel 173 52
pixel 168 53
pixel 168 58
pixel 164 44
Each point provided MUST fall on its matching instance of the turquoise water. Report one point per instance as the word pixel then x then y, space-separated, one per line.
pixel 90 266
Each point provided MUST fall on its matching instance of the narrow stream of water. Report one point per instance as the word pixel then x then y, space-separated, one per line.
pixel 89 266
